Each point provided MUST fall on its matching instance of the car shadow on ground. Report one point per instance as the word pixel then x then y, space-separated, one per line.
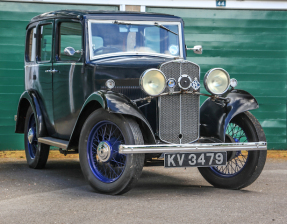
pixel 61 174
pixel 166 184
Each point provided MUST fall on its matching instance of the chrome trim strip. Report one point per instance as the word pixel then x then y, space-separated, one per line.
pixel 198 147
pixel 131 54
pixel 71 89
pixel 180 131
pixel 68 63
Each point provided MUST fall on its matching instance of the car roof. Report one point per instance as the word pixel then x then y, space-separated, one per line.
pixel 76 14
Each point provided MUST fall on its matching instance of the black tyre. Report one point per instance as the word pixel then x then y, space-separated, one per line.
pixel 243 167
pixel 36 153
pixel 105 169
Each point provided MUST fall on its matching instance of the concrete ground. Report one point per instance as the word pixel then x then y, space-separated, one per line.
pixel 59 194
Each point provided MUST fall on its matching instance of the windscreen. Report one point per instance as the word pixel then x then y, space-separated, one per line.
pixel 110 38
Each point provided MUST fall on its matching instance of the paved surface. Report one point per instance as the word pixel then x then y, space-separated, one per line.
pixel 59 194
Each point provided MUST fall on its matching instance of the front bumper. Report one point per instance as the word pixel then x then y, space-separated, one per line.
pixel 191 148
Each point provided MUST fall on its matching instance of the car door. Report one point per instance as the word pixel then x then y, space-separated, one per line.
pixel 67 81
pixel 43 80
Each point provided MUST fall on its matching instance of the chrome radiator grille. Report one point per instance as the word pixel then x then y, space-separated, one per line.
pixel 179 114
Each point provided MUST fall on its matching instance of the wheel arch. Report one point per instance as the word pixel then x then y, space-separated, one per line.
pixel 87 109
pixel 215 115
pixel 113 103
pixel 29 98
pixel 23 107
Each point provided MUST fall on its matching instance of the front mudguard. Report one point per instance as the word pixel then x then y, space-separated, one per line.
pixel 30 98
pixel 114 103
pixel 215 115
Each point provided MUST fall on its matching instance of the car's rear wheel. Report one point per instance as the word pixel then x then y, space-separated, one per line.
pixel 36 153
pixel 106 170
pixel 243 167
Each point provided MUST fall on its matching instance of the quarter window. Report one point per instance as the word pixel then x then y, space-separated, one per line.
pixel 70 35
pixel 31 45
pixel 45 51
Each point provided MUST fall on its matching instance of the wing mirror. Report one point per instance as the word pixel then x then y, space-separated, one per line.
pixel 196 49
pixel 70 51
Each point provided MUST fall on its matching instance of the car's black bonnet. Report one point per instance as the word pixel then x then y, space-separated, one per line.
pixel 125 68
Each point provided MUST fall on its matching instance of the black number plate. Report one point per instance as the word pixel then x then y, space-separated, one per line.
pixel 195 159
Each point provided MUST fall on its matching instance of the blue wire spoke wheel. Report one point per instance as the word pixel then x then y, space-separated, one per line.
pixel 36 153
pixel 236 160
pixel 32 139
pixel 243 167
pixel 105 169
pixel 102 149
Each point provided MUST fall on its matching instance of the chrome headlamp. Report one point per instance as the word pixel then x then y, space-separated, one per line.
pixel 216 81
pixel 153 82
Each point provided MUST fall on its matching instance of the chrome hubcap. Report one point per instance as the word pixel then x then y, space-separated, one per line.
pixel 30 135
pixel 104 151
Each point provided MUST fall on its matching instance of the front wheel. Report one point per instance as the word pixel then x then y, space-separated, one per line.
pixel 106 170
pixel 243 167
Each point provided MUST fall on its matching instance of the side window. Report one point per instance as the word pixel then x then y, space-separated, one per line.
pixel 31 44
pixel 45 43
pixel 70 35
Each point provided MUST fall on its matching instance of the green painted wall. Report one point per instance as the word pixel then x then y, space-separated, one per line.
pixel 14 18
pixel 251 46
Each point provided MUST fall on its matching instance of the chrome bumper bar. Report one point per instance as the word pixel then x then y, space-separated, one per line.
pixel 197 147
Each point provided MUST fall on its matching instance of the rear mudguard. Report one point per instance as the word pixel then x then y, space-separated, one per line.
pixel 30 98
pixel 216 114
pixel 114 103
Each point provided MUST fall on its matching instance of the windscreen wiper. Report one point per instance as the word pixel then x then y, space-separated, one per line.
pixel 156 24
pixel 122 23
pixel 163 27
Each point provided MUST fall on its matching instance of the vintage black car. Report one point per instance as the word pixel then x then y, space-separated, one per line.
pixel 116 88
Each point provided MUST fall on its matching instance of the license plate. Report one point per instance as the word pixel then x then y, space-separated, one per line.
pixel 195 159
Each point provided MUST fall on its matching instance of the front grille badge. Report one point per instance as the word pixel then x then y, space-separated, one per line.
pixel 195 84
pixel 171 84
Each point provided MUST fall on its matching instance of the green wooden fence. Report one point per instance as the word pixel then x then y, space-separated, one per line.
pixel 14 18
pixel 251 46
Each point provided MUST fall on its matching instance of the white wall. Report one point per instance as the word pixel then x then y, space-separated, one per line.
pixel 230 4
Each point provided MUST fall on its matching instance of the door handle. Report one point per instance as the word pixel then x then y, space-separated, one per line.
pixel 52 71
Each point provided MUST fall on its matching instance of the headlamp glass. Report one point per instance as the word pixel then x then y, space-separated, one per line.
pixel 217 81
pixel 153 82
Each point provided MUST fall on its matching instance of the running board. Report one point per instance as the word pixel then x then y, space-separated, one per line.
pixel 54 142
